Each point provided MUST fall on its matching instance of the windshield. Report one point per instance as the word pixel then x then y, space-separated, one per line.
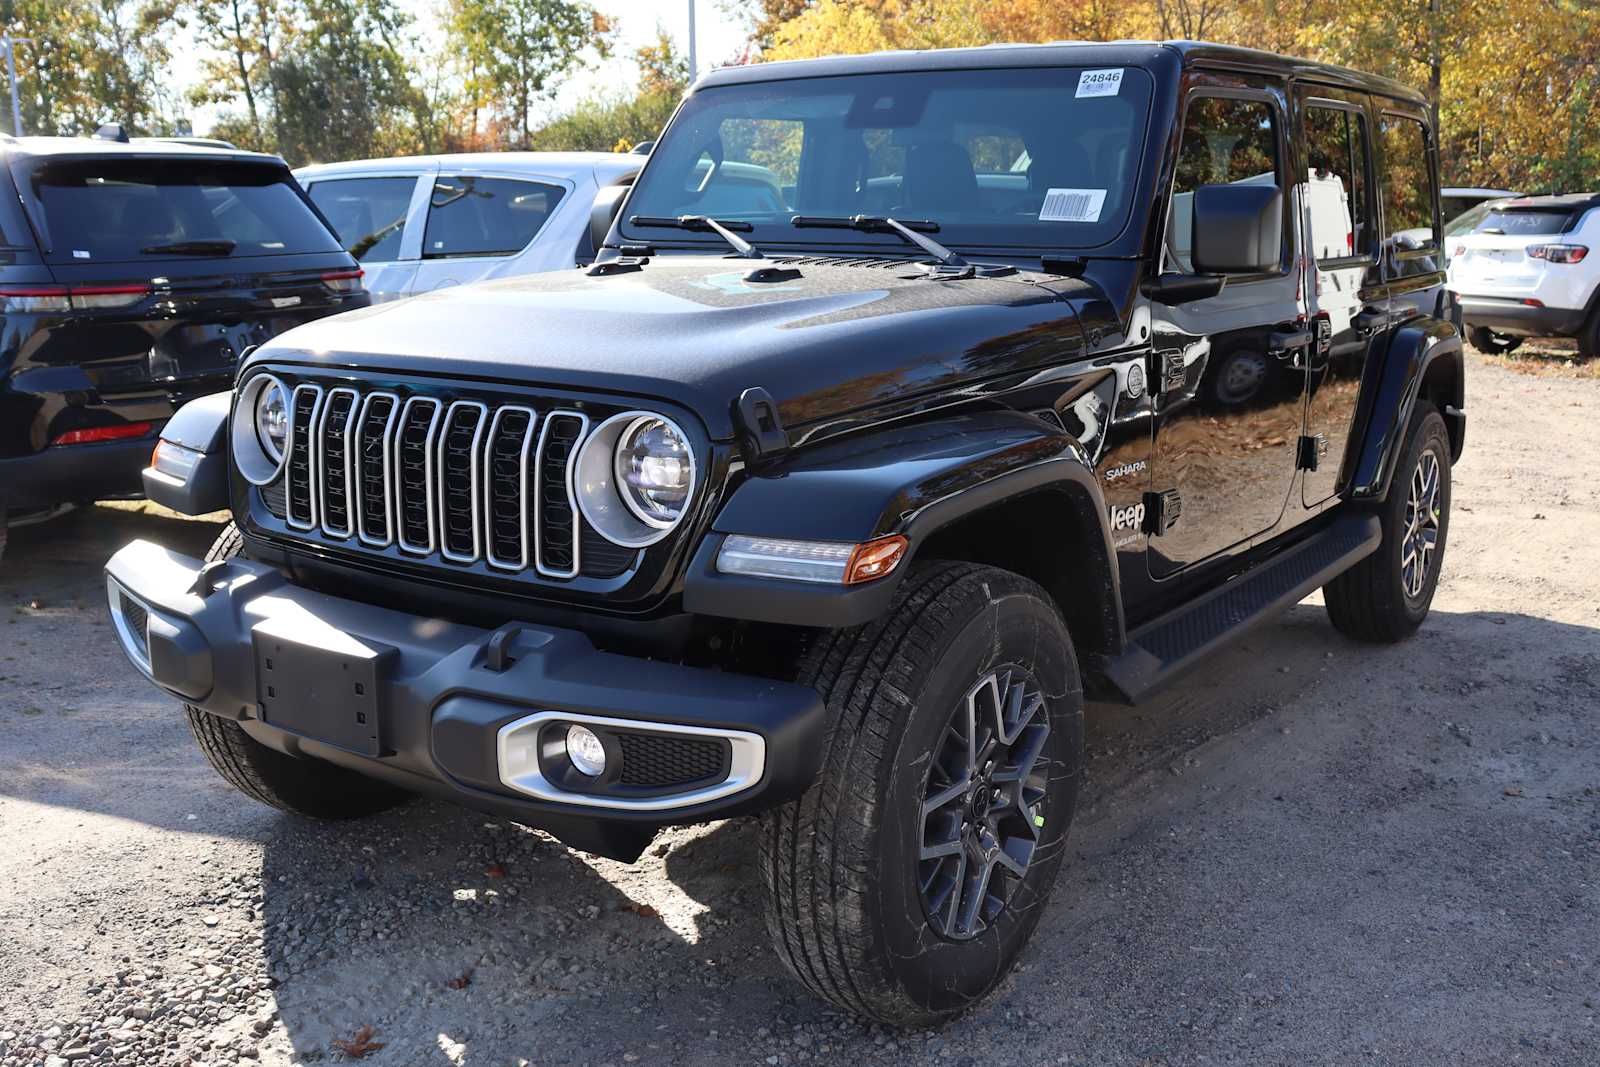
pixel 1035 158
pixel 116 210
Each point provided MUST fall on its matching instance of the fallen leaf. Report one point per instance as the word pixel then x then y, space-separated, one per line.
pixel 644 910
pixel 359 1046
pixel 1513 790
pixel 494 870
pixel 461 981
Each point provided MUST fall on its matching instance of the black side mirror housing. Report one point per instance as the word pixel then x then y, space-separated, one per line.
pixel 1238 229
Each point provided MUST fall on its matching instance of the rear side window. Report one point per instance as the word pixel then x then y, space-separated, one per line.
pixel 120 210
pixel 1408 192
pixel 472 216
pixel 1532 222
pixel 1336 182
pixel 369 214
pixel 1225 141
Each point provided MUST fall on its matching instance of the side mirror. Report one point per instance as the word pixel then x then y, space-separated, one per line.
pixel 1238 229
pixel 607 203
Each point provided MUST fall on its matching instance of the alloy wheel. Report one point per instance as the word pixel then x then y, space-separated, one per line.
pixel 983 805
pixel 1421 536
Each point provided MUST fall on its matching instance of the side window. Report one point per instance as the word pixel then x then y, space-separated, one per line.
pixel 472 216
pixel 1225 140
pixel 368 214
pixel 1408 192
pixel 1336 183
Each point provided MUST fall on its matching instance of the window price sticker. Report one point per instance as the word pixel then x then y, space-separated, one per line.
pixel 1072 205
pixel 1100 82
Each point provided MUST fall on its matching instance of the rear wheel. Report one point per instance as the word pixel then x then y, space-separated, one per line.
pixel 302 786
pixel 1385 597
pixel 1491 343
pixel 905 883
pixel 1589 336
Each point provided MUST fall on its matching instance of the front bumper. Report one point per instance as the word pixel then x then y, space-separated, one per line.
pixel 453 710
pixel 1513 318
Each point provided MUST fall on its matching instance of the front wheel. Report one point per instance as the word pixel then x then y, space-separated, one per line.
pixel 905 883
pixel 1491 343
pixel 1385 597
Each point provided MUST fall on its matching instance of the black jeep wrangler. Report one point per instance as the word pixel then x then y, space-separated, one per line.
pixel 133 275
pixel 913 399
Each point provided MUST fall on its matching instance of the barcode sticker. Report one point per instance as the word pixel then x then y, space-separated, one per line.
pixel 1100 82
pixel 1072 205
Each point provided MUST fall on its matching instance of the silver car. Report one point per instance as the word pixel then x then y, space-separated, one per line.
pixel 419 223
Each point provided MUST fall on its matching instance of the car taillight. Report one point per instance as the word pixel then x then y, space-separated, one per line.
pixel 1458 251
pixel 121 432
pixel 343 281
pixel 1558 253
pixel 76 298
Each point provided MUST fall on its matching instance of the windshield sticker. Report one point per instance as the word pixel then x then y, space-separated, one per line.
pixel 1100 82
pixel 78 253
pixel 1072 205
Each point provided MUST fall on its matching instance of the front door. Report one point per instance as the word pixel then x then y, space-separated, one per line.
pixel 1350 297
pixel 1229 409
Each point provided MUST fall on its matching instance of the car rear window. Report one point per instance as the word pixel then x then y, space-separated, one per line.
pixel 1525 221
pixel 120 210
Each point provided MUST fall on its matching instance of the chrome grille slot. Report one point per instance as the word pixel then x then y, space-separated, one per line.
pixel 374 504
pixel 555 508
pixel 413 461
pixel 505 476
pixel 459 503
pixel 305 405
pixel 333 460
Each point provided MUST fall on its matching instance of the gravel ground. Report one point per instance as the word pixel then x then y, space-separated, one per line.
pixel 1309 852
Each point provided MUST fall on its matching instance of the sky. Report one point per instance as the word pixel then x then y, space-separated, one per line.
pixel 719 38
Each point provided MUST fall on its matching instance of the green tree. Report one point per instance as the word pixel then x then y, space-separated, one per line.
pixel 517 49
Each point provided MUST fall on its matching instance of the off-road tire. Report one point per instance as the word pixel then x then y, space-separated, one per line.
pixel 845 906
pixel 1490 343
pixel 1369 602
pixel 1589 336
pixel 302 786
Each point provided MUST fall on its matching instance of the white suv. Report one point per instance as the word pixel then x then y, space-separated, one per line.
pixel 1531 268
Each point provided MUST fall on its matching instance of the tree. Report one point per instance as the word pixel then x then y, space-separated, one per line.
pixel 237 37
pixel 517 49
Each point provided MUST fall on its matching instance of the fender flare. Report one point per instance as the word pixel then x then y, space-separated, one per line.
pixel 913 479
pixel 201 426
pixel 1390 397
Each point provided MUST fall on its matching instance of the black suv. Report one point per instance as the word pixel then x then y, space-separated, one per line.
pixel 132 278
pixel 1031 374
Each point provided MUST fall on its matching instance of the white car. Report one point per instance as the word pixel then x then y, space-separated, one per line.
pixel 419 223
pixel 1531 268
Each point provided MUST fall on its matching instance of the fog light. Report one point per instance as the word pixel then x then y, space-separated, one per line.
pixel 585 751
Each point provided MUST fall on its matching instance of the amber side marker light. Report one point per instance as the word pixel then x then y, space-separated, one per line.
pixel 874 559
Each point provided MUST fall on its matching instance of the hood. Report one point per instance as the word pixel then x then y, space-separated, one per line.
pixel 841 337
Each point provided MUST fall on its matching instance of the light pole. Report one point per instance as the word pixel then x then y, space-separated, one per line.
pixel 11 43
pixel 693 67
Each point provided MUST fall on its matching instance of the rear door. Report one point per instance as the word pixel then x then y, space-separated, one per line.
pixel 484 225
pixel 1350 296
pixel 379 220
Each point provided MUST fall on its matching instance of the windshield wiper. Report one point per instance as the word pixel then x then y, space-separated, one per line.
pixel 883 224
pixel 706 224
pixel 191 248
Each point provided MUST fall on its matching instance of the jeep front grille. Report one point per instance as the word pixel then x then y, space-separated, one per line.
pixel 466 481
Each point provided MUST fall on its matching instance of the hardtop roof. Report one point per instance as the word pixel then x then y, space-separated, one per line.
pixel 1064 53
pixel 21 148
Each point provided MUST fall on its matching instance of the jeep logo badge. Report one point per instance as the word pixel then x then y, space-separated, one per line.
pixel 1128 518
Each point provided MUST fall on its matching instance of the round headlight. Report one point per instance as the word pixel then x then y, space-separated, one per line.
pixel 654 471
pixel 635 478
pixel 272 419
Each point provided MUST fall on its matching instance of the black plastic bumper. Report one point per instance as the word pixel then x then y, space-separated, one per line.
pixel 69 474
pixel 444 697
pixel 1516 319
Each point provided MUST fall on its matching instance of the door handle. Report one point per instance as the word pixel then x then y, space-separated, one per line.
pixel 1370 321
pixel 1281 342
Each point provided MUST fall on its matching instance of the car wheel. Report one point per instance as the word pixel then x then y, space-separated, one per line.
pixel 1589 336
pixel 1385 597
pixel 1241 376
pixel 301 786
pixel 1490 343
pixel 904 884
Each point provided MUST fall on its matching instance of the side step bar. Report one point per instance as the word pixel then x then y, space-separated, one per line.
pixel 1165 647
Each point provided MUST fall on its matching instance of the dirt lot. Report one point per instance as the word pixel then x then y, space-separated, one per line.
pixel 1310 852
